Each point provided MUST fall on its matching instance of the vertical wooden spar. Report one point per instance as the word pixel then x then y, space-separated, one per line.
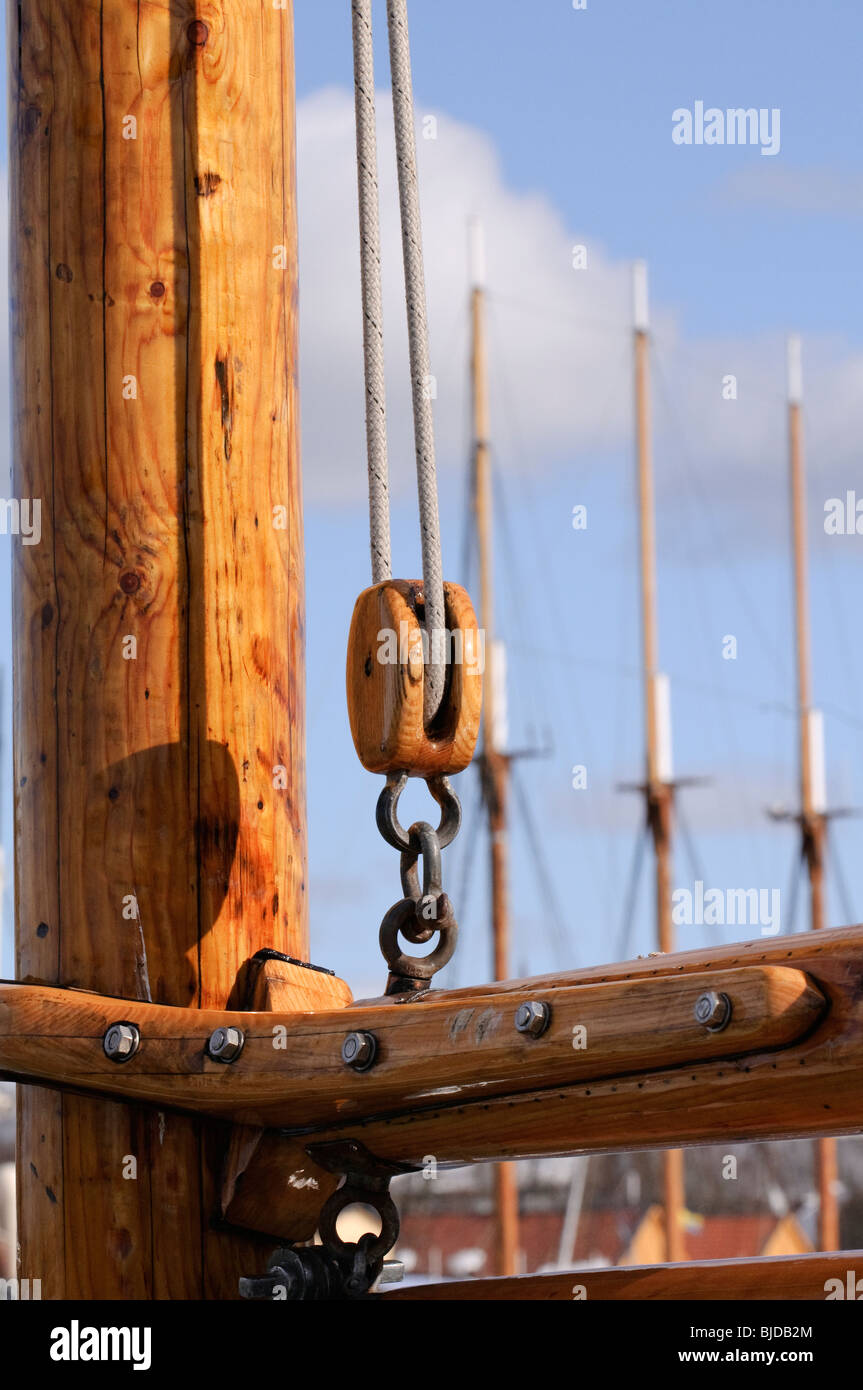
pixel 493 761
pixel 158 625
pixel 813 820
pixel 659 790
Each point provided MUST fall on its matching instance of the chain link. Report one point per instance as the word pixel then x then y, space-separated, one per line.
pixel 425 908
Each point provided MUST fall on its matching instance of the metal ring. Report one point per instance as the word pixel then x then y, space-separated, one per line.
pixel 386 813
pixel 415 967
pixel 351 1194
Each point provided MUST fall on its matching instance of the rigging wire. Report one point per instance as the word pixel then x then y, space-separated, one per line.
pixel 468 536
pixel 695 866
pixel 469 840
pixel 568 317
pixel 417 319
pixel 703 609
pixel 558 934
pixel 794 890
pixel 552 588
pixel 688 844
pixel 516 588
pixel 628 919
pixel 418 345
pixel 833 858
pixel 372 296
pixel 567 699
pixel 759 702
pixel 719 541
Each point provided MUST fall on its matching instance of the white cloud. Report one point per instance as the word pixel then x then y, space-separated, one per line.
pixel 545 315
pixel 559 349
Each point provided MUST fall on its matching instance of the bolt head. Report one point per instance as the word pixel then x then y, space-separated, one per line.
pixel 713 1010
pixel 121 1042
pixel 359 1050
pixel 226 1044
pixel 532 1018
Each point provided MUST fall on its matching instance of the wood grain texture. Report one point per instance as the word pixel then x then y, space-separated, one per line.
pixel 813 1087
pixel 275 1186
pixel 385 682
pixel 40 1186
pixel 793 1277
pixel 270 1183
pixel 160 833
pixel 290 1073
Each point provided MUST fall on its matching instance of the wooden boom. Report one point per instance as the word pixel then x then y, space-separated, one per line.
pixel 812 1087
pixel 453 1078
pixel 290 1072
pixel 795 1277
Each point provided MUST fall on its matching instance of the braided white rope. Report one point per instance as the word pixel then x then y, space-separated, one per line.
pixel 370 270
pixel 415 293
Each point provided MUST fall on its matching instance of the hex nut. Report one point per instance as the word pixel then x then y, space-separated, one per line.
pixel 713 1011
pixel 359 1050
pixel 226 1044
pixel 121 1041
pixel 532 1018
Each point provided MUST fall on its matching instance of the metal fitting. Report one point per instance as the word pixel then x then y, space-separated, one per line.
pixel 121 1042
pixel 713 1011
pixel 359 1050
pixel 532 1018
pixel 226 1044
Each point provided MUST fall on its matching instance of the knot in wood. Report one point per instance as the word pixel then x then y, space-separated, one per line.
pixel 130 582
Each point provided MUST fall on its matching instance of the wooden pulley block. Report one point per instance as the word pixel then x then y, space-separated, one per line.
pixel 386 660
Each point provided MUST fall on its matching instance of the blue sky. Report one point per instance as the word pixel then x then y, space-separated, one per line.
pixel 579 107
pixel 742 248
pixel 572 112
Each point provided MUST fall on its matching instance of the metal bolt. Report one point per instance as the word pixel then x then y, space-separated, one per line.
pixel 359 1050
pixel 532 1018
pixel 226 1044
pixel 713 1011
pixel 121 1042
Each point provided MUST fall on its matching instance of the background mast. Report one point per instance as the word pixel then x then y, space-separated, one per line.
pixel 659 786
pixel 493 762
pixel 813 805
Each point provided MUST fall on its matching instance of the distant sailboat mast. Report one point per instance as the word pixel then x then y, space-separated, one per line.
pixel 659 785
pixel 813 802
pixel 494 762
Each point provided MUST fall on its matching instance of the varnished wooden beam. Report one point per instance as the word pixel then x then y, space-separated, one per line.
pixel 812 1087
pixel 486 1098
pixel 290 1072
pixel 797 1277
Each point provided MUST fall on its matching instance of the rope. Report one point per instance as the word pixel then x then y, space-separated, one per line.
pixel 415 293
pixel 841 881
pixel 370 273
pixel 553 916
pixel 628 920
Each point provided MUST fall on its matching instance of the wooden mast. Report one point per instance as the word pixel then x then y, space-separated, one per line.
pixel 158 626
pixel 659 790
pixel 494 763
pixel 813 819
